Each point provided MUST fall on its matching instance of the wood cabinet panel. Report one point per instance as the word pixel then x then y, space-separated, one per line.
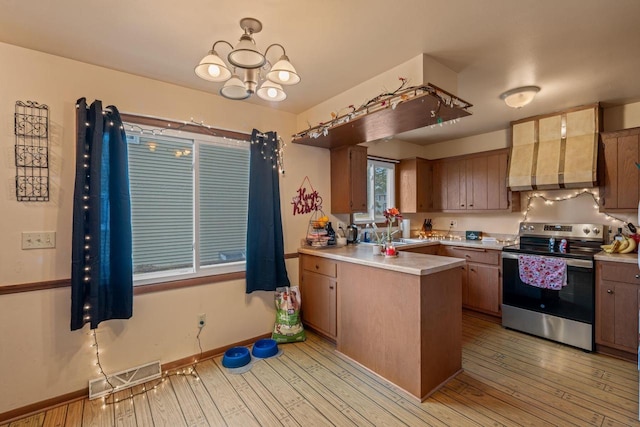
pixel 481 278
pixel 349 179
pixel 318 288
pixel 319 265
pixel 319 302
pixel 497 191
pixel 439 186
pixel 620 189
pixel 476 182
pixel 483 282
pixel 486 256
pixel 414 185
pixel 617 290
pixel 456 185
pixel 428 250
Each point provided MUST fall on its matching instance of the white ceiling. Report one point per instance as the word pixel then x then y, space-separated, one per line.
pixel 577 51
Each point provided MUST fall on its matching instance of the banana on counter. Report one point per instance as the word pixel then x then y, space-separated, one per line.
pixel 625 246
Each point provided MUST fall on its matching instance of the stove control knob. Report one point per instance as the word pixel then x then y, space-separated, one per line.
pixel 586 230
pixel 523 227
pixel 596 231
pixel 531 228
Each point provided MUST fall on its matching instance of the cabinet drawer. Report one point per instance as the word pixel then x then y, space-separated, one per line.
pixel 620 272
pixel 319 265
pixel 480 255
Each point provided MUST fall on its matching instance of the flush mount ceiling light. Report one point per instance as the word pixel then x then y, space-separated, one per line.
pixel 519 97
pixel 248 63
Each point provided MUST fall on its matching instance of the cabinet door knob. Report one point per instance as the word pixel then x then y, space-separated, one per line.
pixel 637 276
pixel 317 266
pixel 609 291
pixel 472 270
pixel 467 256
pixel 330 287
pixel 471 205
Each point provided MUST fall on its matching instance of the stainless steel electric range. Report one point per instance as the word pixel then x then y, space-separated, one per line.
pixel 565 315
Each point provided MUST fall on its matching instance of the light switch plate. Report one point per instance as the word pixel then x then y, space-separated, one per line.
pixel 39 240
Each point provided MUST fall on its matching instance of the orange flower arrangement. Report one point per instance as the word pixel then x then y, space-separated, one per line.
pixel 391 215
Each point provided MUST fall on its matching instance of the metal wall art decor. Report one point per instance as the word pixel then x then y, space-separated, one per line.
pixel 31 128
pixel 306 201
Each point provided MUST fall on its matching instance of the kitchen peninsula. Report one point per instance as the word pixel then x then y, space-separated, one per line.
pixel 400 316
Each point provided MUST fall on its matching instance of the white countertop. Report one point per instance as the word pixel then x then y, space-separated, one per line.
pixel 625 258
pixel 454 242
pixel 405 262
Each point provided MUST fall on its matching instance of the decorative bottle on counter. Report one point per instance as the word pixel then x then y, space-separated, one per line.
pixel 619 235
pixel 332 234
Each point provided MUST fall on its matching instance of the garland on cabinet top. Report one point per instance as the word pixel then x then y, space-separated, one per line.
pixel 384 100
pixel 277 152
pixel 552 200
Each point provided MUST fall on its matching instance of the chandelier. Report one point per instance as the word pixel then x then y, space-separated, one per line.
pixel 248 63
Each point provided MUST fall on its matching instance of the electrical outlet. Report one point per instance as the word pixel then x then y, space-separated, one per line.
pixel 39 240
pixel 453 223
pixel 202 320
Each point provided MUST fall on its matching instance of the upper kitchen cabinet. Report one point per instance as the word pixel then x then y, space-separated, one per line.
pixel 414 185
pixel 349 179
pixel 619 177
pixel 474 182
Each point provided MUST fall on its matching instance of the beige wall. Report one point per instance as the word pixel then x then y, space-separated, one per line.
pixel 39 357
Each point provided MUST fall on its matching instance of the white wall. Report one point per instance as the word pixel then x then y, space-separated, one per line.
pixel 39 357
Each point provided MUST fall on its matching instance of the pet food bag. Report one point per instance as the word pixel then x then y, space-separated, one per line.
pixel 288 327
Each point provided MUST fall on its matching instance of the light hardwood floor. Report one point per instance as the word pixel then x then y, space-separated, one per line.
pixel 509 379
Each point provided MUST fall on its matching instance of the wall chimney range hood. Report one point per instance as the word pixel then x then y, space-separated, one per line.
pixel 554 151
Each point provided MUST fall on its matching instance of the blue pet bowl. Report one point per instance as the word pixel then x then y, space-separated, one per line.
pixel 236 357
pixel 265 348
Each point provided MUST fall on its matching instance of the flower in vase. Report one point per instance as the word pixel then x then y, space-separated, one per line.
pixel 391 215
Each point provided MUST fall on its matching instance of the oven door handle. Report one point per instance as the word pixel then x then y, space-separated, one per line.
pixel 583 263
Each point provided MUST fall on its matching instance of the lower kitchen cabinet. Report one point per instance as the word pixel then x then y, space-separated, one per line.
pixel 428 250
pixel 617 289
pixel 318 288
pixel 481 279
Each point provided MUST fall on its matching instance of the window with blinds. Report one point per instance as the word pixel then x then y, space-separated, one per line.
pixel 189 199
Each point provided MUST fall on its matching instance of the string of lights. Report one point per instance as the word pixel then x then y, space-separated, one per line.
pixel 110 398
pixel 277 153
pixel 551 200
pixel 385 100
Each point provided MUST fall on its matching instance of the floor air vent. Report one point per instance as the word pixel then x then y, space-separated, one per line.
pixel 124 379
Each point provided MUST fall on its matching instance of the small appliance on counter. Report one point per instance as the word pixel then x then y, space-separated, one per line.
pixel 352 234
pixel 473 235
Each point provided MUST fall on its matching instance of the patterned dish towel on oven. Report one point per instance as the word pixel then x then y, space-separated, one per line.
pixel 543 272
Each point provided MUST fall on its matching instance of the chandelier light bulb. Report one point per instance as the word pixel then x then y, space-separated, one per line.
pixel 213 70
pixel 284 76
pixel 270 91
